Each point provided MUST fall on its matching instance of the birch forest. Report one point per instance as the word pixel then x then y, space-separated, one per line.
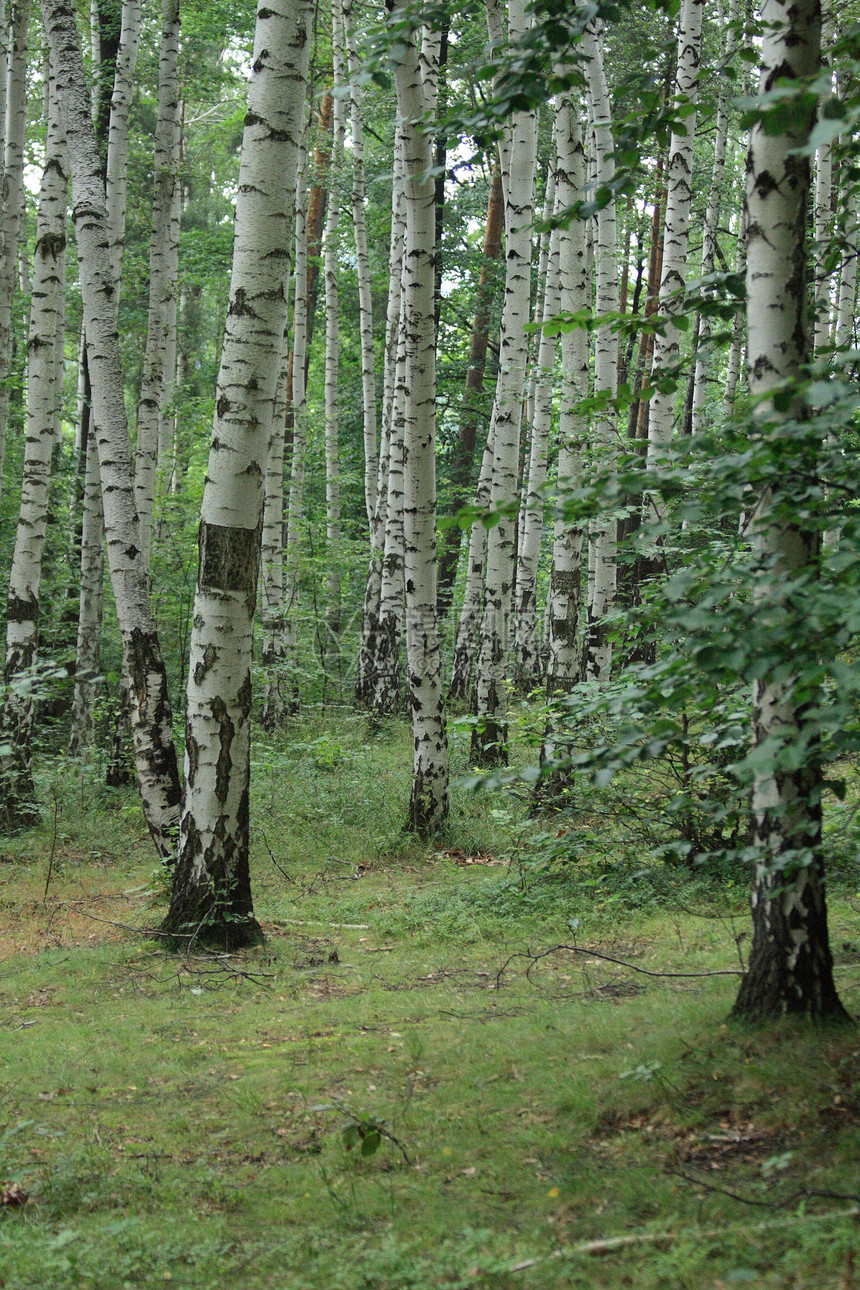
pixel 428 442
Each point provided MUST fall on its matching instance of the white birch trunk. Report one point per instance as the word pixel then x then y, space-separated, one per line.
pixel 386 663
pixel 274 708
pixel 116 175
pixel 733 367
pixel 527 660
pixel 428 807
pixel 161 321
pixel 679 193
pixel 295 507
pixel 13 196
pixel 151 718
pixel 712 222
pixel 565 589
pixel 489 739
pixel 602 564
pixel 362 270
pixel 790 968
pixel 90 605
pixel 845 313
pixel 469 622
pixel 45 335
pixel 823 222
pixel 383 606
pixel 211 898
pixel 331 648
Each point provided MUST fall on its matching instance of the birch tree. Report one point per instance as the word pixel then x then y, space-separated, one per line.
pixel 332 359
pixel 564 637
pixel 211 898
pixel 415 82
pixel 17 792
pixel 13 195
pixel 489 738
pixel 161 322
pixel 679 192
pixel 602 565
pixel 790 968
pixel 152 730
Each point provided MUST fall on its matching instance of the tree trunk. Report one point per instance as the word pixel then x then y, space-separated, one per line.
pixel 331 642
pixel 162 281
pixel 790 968
pixel 489 736
pixel 602 564
pixel 679 194
pixel 565 591
pixel 362 271
pixel 428 807
pixel 296 414
pixel 211 899
pixel 17 793
pixel 383 607
pixel 470 415
pixel 13 196
pixel 151 719
pixel 527 660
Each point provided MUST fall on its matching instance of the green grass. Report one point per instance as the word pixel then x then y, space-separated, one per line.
pixel 186 1122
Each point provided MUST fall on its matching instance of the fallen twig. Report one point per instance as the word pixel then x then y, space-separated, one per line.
pixel 534 957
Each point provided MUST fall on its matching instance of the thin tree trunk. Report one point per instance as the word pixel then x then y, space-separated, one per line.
pixel 383 608
pixel 701 354
pixel 489 736
pixel 679 194
pixel 527 659
pixel 602 535
pixel 362 270
pixel 155 753
pixel 470 415
pixel 91 596
pixel 155 380
pixel 331 642
pixel 823 218
pixel 565 591
pixel 428 808
pixel 791 967
pixel 469 623
pixel 17 793
pixel 211 899
pixel 296 414
pixel 13 196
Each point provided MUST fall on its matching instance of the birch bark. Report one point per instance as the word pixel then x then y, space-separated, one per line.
pixel 383 612
pixel 790 968
pixel 527 660
pixel 701 356
pixel 296 412
pixel 470 415
pixel 211 898
pixel 428 808
pixel 565 591
pixel 489 738
pixel 602 564
pixel 161 324
pixel 331 650
pixel 13 196
pixel 151 719
pixel 17 793
pixel 679 193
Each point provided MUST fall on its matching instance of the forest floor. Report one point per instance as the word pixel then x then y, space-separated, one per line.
pixel 397 1092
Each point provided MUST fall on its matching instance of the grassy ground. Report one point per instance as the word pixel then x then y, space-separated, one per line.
pixel 395 1092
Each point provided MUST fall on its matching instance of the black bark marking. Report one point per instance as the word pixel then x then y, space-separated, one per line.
pixel 206 663
pixel 229 558
pixel 224 764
